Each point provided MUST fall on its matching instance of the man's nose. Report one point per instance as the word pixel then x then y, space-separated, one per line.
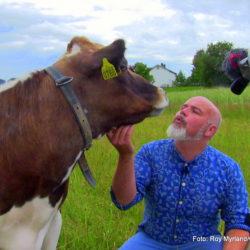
pixel 185 111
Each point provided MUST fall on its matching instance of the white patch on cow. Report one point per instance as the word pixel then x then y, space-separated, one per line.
pixel 24 228
pixel 71 168
pixel 52 235
pixel 163 100
pixel 74 51
pixel 161 103
pixel 13 83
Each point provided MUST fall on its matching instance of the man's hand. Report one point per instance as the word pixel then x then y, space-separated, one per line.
pixel 235 244
pixel 121 139
pixel 124 184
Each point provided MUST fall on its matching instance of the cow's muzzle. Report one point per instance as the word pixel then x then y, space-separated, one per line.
pixel 161 103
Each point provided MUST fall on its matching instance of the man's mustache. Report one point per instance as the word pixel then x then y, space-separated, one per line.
pixel 180 118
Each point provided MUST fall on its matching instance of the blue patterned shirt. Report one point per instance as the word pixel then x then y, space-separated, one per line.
pixel 186 199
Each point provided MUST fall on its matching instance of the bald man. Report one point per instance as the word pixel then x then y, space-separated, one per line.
pixel 187 185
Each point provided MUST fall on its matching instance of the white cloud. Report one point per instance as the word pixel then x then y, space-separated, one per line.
pixel 155 31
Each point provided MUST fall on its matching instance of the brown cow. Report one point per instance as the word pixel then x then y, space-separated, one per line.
pixel 40 140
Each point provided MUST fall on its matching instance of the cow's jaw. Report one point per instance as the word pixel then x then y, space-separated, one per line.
pixel 159 106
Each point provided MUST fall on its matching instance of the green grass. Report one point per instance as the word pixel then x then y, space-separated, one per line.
pixel 186 88
pixel 92 222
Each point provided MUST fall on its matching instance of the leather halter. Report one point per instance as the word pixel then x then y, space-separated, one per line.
pixel 62 82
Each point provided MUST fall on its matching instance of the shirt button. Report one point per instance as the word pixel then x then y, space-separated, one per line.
pixel 183 184
pixel 175 236
pixel 180 202
pixel 177 220
pixel 186 164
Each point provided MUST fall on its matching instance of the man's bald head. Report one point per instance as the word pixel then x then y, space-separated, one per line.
pixel 214 114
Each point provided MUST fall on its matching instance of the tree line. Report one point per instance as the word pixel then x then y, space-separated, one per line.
pixel 207 67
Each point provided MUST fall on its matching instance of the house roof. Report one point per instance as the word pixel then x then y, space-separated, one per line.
pixel 164 68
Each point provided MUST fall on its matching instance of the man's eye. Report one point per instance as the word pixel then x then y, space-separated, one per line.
pixel 196 111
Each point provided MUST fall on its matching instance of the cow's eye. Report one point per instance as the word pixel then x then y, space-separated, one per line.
pixel 123 67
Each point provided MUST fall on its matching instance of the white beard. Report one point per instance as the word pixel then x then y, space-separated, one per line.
pixel 180 134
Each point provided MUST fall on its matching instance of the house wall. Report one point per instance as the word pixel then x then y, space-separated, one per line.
pixel 163 77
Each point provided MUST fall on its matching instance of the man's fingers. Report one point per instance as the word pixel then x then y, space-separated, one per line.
pixel 130 130
pixel 125 134
pixel 120 138
pixel 121 134
pixel 115 134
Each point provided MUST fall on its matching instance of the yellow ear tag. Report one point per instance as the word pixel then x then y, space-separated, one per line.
pixel 108 69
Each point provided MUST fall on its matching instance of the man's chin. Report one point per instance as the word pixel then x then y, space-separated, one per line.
pixel 180 134
pixel 177 133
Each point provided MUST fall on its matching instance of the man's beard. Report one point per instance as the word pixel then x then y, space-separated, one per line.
pixel 180 134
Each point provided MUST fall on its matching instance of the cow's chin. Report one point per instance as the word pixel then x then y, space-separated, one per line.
pixel 133 119
pixel 156 112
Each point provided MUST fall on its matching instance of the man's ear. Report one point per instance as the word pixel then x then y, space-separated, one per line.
pixel 211 130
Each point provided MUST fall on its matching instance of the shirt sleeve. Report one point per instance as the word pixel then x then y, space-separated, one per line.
pixel 143 176
pixel 235 209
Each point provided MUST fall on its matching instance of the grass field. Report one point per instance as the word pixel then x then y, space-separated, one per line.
pixel 92 222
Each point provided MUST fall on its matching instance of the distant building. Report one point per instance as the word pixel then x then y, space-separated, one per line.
pixel 163 77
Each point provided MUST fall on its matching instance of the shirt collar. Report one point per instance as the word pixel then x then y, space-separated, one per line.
pixel 180 157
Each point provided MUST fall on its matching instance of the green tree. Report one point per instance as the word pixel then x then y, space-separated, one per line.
pixel 180 79
pixel 207 63
pixel 143 70
pixel 198 63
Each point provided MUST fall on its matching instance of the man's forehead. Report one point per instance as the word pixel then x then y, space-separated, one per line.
pixel 199 102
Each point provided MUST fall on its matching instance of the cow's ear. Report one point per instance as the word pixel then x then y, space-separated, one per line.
pixel 114 53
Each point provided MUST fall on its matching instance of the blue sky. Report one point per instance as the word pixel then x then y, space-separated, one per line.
pixel 35 33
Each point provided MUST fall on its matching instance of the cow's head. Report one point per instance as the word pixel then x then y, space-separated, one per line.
pixel 125 99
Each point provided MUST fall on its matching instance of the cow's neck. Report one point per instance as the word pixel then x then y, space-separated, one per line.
pixel 63 82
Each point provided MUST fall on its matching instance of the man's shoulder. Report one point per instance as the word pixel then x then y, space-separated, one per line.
pixel 221 157
pixel 154 151
pixel 159 143
pixel 158 146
